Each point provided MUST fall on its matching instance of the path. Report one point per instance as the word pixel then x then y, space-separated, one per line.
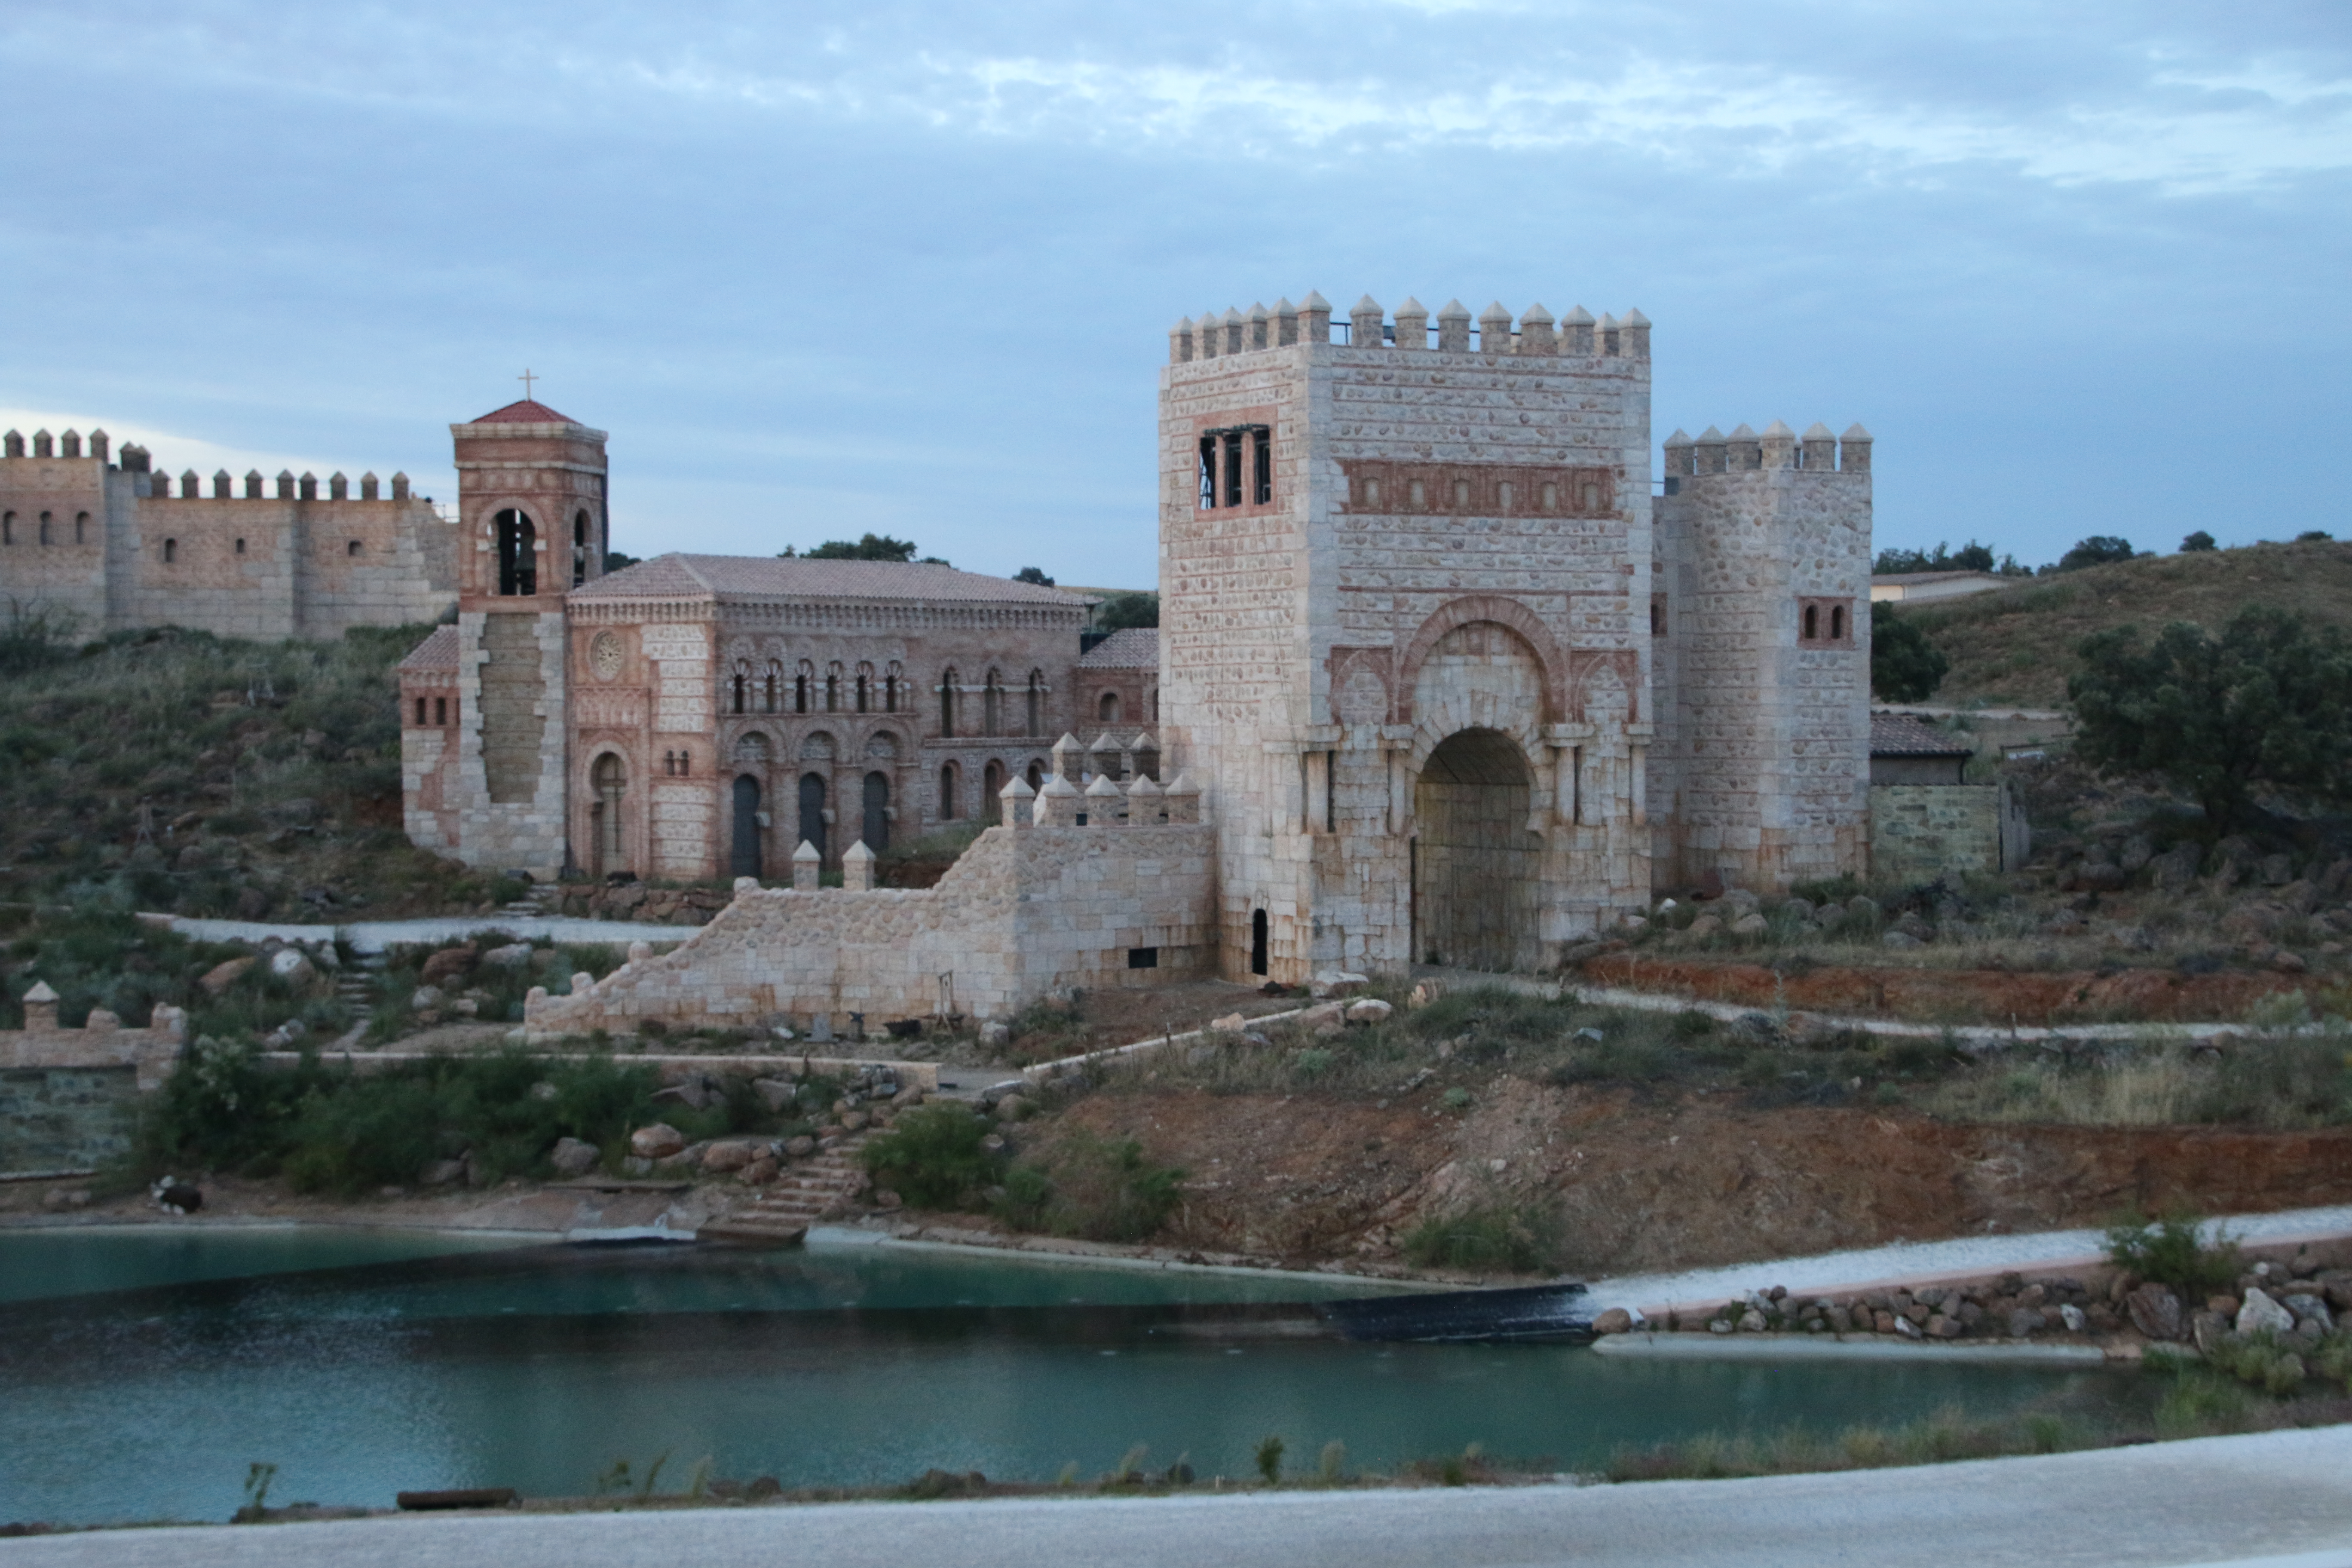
pixel 2282 1498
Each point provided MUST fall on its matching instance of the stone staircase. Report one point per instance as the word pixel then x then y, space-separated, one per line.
pixel 355 986
pixel 780 1214
pixel 533 905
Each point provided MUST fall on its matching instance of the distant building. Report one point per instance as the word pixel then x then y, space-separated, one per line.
pixel 99 535
pixel 1903 751
pixel 1902 587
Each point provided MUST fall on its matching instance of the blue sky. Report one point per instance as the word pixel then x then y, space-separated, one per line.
pixel 911 268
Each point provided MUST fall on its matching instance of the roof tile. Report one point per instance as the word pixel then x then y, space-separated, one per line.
pixel 676 576
pixel 1135 648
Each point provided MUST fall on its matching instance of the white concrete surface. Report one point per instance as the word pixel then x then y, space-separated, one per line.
pixel 1914 1259
pixel 2277 1498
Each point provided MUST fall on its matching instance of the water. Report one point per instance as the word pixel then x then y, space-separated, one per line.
pixel 539 1367
pixel 81 1260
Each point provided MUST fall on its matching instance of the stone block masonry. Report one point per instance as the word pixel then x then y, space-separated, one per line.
pixel 66 1095
pixel 1023 914
pixel 1921 832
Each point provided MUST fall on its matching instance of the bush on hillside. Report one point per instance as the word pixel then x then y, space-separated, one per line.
pixel 2201 539
pixel 1098 1188
pixel 2170 1252
pixel 2099 550
pixel 1904 667
pixel 2267 705
pixel 1496 1236
pixel 932 1156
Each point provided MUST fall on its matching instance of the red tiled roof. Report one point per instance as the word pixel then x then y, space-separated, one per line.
pixel 680 577
pixel 1137 648
pixel 438 651
pixel 527 412
pixel 1895 735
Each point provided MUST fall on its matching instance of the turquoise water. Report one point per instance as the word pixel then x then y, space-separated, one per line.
pixel 78 1260
pixel 539 1367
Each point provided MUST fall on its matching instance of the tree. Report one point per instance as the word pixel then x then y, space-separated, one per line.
pixel 2267 704
pixel 614 561
pixel 2096 551
pixel 1121 610
pixel 2314 536
pixel 871 547
pixel 1969 557
pixel 1904 667
pixel 2201 539
pixel 1033 575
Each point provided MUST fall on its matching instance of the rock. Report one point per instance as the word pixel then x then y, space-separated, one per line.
pixel 995 1035
pixel 777 1092
pixel 1906 1328
pixel 1899 940
pixel 2309 1308
pixel 1721 1326
pixel 1749 925
pixel 2261 1312
pixel 425 996
pixel 884 1198
pixel 2286 962
pixel 1325 1018
pixel 722 1158
pixel 442 1174
pixel 1014 1107
pixel 1751 1321
pixel 1424 992
pixel 760 1172
pixel 2025 1321
pixel 1615 1320
pixel 2156 1311
pixel 1941 1327
pixel 292 966
pixel 2206 1331
pixel 854 1120
pixel 1704 927
pixel 1741 902
pixel 2176 866
pixel 2071 1316
pixel 1371 1010
pixel 514 955
pixel 2136 852
pixel 1230 1024
pixel 1863 907
pixel 573 1157
pixel 2224 1306
pixel 221 976
pixel 658 1142
pixel 449 963
pixel 176 1196
pixel 1337 983
pixel 800 1148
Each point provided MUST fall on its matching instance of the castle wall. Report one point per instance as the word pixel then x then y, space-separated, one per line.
pixel 1025 913
pixel 68 1096
pixel 121 551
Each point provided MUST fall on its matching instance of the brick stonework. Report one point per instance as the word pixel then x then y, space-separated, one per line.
pixel 103 537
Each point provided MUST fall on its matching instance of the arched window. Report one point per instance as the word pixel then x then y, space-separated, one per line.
pixel 1812 622
pixel 743 858
pixel 833 687
pixel 1108 709
pixel 81 527
pixel 865 692
pixel 742 690
pixel 240 547
pixel 579 548
pixel 352 548
pixel 947 701
pixel 805 678
pixel 44 528
pixel 441 710
pixel 604 816
pixel 947 791
pixel 992 705
pixel 420 712
pixel 171 551
pixel 1035 720
pixel 991 785
pixel 775 678
pixel 811 803
pixel 1036 776
pixel 517 546
pixel 892 681
pixel 1837 623
pixel 875 804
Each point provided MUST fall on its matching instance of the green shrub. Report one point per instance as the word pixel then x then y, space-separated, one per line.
pixel 1101 1189
pixel 931 1156
pixel 1494 1234
pixel 2170 1252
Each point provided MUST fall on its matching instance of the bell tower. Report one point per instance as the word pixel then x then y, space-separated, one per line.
pixel 533 524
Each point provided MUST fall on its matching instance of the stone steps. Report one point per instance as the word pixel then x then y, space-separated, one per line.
pixel 781 1213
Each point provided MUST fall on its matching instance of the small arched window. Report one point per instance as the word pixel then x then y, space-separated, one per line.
pixel 833 687
pixel 352 548
pixel 1036 776
pixel 991 784
pixel 775 680
pixel 441 710
pixel 741 686
pixel 992 705
pixel 240 547
pixel 579 548
pixel 1034 721
pixel 420 712
pixel 1812 622
pixel 44 528
pixel 947 791
pixel 518 547
pixel 172 552
pixel 81 527
pixel 865 686
pixel 1108 709
pixel 1837 623
pixel 947 701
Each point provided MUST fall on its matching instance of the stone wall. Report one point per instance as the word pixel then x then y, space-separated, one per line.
pixel 1024 912
pixel 113 546
pixel 66 1095
pixel 1921 832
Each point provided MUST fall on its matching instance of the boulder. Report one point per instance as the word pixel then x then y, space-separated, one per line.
pixel 514 955
pixel 658 1142
pixel 722 1158
pixel 2277 871
pixel 1742 902
pixel 1899 940
pixel 800 1148
pixel 1748 925
pixel 1615 1320
pixel 1424 992
pixel 1324 1019
pixel 2176 866
pixel 1704 927
pixel 292 966
pixel 993 1035
pixel 1230 1024
pixel 425 996
pixel 573 1157
pixel 449 963
pixel 1863 906
pixel 1369 1010
pixel 2157 1313
pixel 760 1172
pixel 221 976
pixel 1338 983
pixel 442 1174
pixel 2309 1308
pixel 884 1198
pixel 778 1093
pixel 1013 1106
pixel 2071 1316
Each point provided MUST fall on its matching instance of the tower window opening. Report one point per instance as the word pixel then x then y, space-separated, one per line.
pixel 441 710
pixel 863 679
pixel 1551 496
pixel 1837 623
pixel 81 527
pixel 1461 492
pixel 768 697
pixel 1208 472
pixel 171 551
pixel 833 690
pixel 517 546
pixel 352 548
pixel 44 528
pixel 1234 469
pixel 579 548
pixel 1262 448
pixel 420 712
pixel 1502 493
pixel 1812 622
pixel 240 547
pixel 947 791
pixel 1417 493
pixel 1593 498
pixel 799 693
pixel 738 693
pixel 7 528
pixel 947 703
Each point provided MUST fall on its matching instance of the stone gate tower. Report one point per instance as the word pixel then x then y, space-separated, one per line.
pixel 1405 627
pixel 531 526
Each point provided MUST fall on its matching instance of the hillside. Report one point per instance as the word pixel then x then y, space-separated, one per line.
pixel 270 774
pixel 2016 646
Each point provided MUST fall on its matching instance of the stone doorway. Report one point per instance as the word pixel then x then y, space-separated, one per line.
pixel 1475 862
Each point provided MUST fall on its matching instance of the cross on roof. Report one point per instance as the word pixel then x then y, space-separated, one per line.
pixel 527 378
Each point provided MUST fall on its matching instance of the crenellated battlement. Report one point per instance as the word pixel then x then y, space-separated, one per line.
pixel 138 461
pixel 1537 333
pixel 1776 446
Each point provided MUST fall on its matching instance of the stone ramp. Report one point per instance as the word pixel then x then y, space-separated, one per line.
pixel 781 1215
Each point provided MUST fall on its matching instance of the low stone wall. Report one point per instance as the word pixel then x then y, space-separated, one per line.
pixel 67 1095
pixel 1024 912
pixel 1921 832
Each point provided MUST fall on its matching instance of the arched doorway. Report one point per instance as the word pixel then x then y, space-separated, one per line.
pixel 605 854
pixel 991 785
pixel 813 812
pixel 746 826
pixel 877 810
pixel 1475 862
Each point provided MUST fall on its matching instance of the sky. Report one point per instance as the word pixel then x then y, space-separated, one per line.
pixel 911 268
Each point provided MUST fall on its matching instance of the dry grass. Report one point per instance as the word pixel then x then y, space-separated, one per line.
pixel 2017 645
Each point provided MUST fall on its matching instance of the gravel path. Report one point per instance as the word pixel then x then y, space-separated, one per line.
pixel 1902 1260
